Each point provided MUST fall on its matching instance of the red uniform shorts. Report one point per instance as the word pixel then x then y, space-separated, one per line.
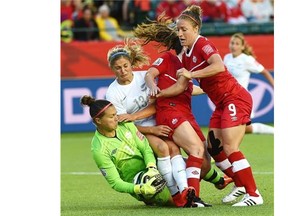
pixel 173 119
pixel 233 111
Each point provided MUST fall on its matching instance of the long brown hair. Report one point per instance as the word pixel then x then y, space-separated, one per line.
pixel 162 30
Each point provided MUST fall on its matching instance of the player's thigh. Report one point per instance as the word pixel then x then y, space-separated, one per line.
pixel 158 145
pixel 186 137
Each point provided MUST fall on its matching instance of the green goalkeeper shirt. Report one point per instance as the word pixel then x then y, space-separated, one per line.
pixel 120 158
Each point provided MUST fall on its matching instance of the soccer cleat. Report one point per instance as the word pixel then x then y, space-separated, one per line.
pixel 178 200
pixel 197 202
pixel 194 201
pixel 188 195
pixel 248 200
pixel 234 194
pixel 226 180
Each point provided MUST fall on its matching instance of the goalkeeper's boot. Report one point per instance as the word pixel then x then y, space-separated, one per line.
pixel 234 194
pixel 248 200
pixel 223 182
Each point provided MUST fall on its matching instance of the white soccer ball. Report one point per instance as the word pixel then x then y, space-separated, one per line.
pixel 141 177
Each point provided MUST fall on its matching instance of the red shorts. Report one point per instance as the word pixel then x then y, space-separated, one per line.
pixel 235 110
pixel 173 119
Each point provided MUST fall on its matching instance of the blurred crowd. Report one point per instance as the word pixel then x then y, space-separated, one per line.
pixel 86 20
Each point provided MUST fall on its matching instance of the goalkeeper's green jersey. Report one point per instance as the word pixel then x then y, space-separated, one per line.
pixel 120 158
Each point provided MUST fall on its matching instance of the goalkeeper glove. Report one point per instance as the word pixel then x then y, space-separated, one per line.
pixel 152 170
pixel 147 188
pixel 152 187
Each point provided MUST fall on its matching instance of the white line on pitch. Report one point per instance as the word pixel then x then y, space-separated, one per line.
pixel 99 173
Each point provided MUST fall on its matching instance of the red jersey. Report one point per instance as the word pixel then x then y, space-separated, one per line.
pixel 167 65
pixel 218 86
pixel 173 111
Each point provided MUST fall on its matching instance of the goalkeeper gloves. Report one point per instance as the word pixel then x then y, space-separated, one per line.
pixel 152 170
pixel 147 188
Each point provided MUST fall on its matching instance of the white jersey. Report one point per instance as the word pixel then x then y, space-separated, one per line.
pixel 131 98
pixel 242 66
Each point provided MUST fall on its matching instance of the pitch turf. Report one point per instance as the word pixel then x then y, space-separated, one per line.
pixel 84 190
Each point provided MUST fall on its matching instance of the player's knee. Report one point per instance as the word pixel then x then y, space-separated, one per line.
pixel 174 150
pixel 162 149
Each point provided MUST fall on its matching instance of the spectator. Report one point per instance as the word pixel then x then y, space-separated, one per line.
pixel 109 29
pixel 66 31
pixel 137 11
pixel 85 28
pixel 213 10
pixel 257 10
pixel 66 10
pixel 234 13
pixel 78 9
pixel 172 8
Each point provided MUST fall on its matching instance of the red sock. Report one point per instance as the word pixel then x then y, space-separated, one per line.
pixel 243 173
pixel 193 169
pixel 223 164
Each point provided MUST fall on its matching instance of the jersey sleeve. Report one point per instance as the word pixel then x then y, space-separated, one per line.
pixel 253 66
pixel 142 143
pixel 161 63
pixel 109 171
pixel 207 49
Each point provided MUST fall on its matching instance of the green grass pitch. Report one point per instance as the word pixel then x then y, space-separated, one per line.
pixel 84 190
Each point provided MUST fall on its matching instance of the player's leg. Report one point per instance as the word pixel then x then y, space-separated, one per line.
pixel 259 128
pixel 243 176
pixel 161 149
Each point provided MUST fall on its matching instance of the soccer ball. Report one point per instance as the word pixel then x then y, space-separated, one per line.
pixel 141 177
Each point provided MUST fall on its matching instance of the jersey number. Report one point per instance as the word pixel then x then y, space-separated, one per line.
pixel 232 108
pixel 141 102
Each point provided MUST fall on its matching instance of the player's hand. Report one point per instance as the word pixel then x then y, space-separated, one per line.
pixel 184 72
pixel 161 130
pixel 153 186
pixel 154 89
pixel 152 170
pixel 126 117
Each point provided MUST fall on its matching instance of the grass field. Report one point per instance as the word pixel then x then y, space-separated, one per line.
pixel 84 190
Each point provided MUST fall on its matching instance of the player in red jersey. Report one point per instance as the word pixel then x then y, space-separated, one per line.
pixel 233 103
pixel 176 111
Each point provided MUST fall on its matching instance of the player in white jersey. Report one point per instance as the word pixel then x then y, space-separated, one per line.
pixel 241 62
pixel 130 95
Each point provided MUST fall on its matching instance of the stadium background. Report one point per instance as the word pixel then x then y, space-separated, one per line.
pixel 84 70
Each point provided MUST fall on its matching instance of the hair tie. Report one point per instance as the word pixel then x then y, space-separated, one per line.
pixel 102 110
pixel 190 18
pixel 116 54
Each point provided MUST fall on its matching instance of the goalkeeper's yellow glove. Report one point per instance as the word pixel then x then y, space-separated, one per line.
pixel 152 170
pixel 147 188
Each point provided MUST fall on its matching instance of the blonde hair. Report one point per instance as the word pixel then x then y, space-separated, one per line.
pixel 130 50
pixel 248 50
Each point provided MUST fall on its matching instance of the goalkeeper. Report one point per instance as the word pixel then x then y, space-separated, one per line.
pixel 121 152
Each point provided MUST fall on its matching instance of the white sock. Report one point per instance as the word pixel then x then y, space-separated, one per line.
pixel 179 172
pixel 165 169
pixel 262 128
